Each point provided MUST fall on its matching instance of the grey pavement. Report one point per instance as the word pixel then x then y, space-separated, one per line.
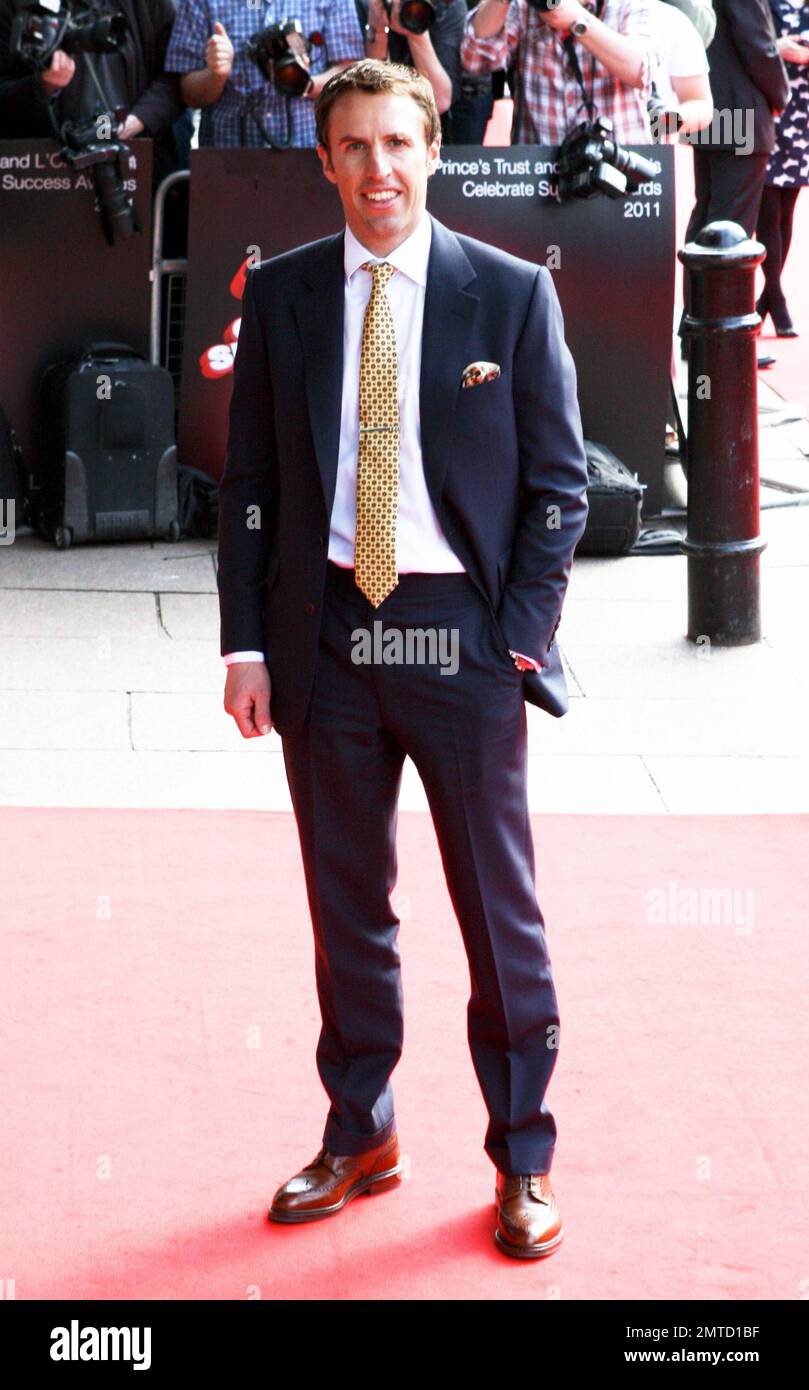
pixel 111 682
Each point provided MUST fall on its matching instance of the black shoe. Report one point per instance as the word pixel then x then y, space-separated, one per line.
pixel 781 321
pixel 765 361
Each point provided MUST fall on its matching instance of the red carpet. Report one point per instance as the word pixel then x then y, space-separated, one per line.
pixel 159 1021
pixel 789 375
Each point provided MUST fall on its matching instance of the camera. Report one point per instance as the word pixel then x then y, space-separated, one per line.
pixel 591 161
pixel 278 52
pixel 416 15
pixel 36 33
pixel 106 159
pixel 79 27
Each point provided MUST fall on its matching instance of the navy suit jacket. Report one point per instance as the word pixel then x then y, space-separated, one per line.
pixel 747 74
pixel 504 461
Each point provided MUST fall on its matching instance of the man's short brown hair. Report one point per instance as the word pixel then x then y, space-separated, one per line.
pixel 372 75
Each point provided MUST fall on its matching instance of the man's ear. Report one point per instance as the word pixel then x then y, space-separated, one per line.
pixel 325 160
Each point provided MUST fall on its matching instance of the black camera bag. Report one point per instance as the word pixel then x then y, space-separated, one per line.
pixel 615 498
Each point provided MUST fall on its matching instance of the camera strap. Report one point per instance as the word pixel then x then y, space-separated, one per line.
pixel 573 58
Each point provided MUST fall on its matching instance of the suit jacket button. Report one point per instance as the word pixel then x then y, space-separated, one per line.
pixel 309 608
pixel 321 540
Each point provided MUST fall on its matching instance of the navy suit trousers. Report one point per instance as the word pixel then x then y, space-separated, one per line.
pixel 466 733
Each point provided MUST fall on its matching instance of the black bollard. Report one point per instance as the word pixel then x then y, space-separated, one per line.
pixel 722 540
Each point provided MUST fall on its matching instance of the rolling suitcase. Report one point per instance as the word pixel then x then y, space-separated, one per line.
pixel 108 458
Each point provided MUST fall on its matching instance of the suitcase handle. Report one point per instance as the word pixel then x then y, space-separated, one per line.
pixel 104 351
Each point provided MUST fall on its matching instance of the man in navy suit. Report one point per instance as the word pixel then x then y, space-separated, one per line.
pixel 491 477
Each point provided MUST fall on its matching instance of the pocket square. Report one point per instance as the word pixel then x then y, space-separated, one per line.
pixel 478 372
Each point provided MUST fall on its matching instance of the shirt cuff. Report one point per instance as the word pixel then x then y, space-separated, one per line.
pixel 535 664
pixel 242 656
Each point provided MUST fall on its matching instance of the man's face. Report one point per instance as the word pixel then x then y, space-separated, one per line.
pixel 377 144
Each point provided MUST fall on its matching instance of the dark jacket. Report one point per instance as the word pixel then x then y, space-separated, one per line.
pixel 148 92
pixel 747 75
pixel 481 304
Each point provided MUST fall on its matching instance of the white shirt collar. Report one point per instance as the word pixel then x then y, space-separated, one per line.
pixel 410 257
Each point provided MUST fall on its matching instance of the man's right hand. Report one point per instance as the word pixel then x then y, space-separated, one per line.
pixel 247 697
pixel 219 52
pixel 59 73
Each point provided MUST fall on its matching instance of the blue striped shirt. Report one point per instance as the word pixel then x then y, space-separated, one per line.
pixel 246 89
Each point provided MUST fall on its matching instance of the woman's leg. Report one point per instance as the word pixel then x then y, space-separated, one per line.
pixel 776 234
pixel 768 232
pixel 789 197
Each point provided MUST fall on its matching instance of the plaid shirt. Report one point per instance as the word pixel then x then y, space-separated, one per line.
pixel 552 101
pixel 246 89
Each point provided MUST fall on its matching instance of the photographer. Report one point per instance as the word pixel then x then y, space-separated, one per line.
pixel 468 118
pixel 435 53
pixel 133 79
pixel 681 81
pixel 617 54
pixel 208 47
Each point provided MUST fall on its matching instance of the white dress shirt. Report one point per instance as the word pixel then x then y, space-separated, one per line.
pixel 420 542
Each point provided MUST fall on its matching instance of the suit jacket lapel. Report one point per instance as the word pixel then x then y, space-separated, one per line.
pixel 449 310
pixel 320 313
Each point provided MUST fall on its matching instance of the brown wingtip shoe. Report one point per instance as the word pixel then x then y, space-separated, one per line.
pixel 528 1222
pixel 331 1180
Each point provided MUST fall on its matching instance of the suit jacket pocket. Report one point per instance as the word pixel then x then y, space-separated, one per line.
pixel 485 411
pixel 485 390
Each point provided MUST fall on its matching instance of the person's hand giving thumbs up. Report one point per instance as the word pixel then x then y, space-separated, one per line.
pixel 219 52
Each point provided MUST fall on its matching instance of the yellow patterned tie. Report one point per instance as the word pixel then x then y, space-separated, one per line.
pixel 378 462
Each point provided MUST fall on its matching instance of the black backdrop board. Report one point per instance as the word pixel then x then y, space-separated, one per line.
pixel 613 267
pixel 615 281
pixel 62 285
pixel 239 199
